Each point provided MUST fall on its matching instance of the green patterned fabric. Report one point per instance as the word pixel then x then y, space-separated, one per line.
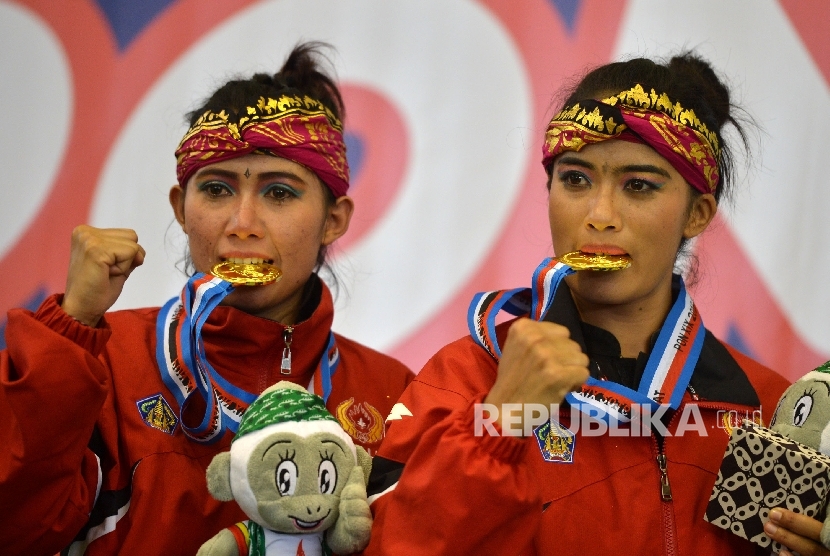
pixel 257 540
pixel 825 368
pixel 283 406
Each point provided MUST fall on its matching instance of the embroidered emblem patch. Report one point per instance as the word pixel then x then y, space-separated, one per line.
pixel 157 413
pixel 555 442
pixel 361 421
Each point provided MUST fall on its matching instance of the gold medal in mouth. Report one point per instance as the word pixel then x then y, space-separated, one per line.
pixel 247 274
pixel 578 260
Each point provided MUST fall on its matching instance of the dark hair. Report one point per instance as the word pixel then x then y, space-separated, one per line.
pixel 302 74
pixel 690 80
pixel 686 78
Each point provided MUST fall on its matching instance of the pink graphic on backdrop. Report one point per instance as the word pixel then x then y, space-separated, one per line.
pixel 737 306
pixel 109 83
pixel 382 156
pixel 552 53
pixel 107 86
pixel 735 302
pixel 810 18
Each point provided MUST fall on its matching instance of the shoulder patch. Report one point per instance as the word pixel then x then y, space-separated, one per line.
pixel 399 411
pixel 360 420
pixel 157 413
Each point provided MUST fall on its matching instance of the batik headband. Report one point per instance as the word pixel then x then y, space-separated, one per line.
pixel 674 132
pixel 300 129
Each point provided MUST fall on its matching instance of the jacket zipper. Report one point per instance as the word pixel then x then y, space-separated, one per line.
pixel 665 487
pixel 669 525
pixel 287 336
pixel 667 507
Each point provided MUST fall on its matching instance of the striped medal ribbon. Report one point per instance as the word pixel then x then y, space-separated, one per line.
pixel 669 367
pixel 185 370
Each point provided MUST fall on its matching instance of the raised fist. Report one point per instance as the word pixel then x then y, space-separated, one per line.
pixel 100 262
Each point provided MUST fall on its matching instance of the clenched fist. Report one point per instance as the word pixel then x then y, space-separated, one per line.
pixel 100 262
pixel 540 364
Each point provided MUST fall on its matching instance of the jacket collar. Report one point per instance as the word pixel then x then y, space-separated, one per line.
pixel 247 350
pixel 717 376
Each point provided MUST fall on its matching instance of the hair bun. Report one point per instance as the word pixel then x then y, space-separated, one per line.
pixel 304 70
pixel 263 79
pixel 706 83
pixel 302 74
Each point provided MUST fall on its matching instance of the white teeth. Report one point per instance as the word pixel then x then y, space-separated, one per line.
pixel 245 260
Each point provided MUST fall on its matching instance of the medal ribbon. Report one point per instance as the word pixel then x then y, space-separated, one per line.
pixel 321 381
pixel 185 370
pixel 669 367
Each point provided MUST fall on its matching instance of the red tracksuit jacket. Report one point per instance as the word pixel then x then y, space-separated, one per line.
pixel 80 466
pixel 437 489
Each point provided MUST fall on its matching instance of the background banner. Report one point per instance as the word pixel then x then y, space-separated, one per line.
pixel 447 101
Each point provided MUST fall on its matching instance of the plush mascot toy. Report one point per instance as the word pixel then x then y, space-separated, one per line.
pixel 297 476
pixel 803 414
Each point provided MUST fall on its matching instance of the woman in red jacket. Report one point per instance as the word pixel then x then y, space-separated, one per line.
pixel 109 421
pixel 636 164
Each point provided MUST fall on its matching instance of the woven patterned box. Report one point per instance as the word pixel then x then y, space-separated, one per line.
pixel 762 469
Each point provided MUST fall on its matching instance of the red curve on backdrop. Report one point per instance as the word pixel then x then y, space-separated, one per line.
pixel 106 88
pixel 372 117
pixel 810 18
pixel 741 298
pixel 108 85
pixel 552 55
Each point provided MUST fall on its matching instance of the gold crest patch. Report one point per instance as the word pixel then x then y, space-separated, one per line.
pixel 157 413
pixel 555 442
pixel 361 421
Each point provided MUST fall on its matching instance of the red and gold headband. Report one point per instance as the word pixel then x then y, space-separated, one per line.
pixel 674 132
pixel 300 129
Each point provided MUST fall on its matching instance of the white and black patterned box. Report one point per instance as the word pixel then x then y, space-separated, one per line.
pixel 761 470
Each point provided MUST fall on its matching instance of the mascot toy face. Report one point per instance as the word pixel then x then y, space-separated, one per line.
pixel 298 477
pixel 803 413
pixel 297 481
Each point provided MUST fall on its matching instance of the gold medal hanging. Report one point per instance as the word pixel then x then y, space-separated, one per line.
pixel 589 261
pixel 251 274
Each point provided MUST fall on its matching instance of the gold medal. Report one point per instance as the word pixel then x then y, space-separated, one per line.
pixel 578 260
pixel 260 274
